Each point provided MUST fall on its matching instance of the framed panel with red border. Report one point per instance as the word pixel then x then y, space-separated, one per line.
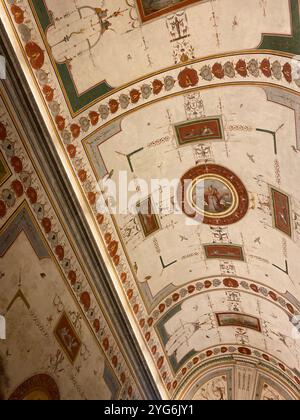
pixel 195 131
pixel 236 319
pixel 152 9
pixel 281 211
pixel 224 252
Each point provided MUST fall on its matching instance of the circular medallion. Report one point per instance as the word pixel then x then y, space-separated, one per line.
pixel 213 195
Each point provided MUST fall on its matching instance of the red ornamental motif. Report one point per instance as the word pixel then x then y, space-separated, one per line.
pixel 150 322
pixel 142 323
pixel 160 362
pixel 106 344
pixel 72 277
pixel 123 377
pixel 49 93
pixel 116 260
pixel 241 68
pixel 154 350
pixel 245 351
pixel 123 277
pixel 18 188
pixel 191 289
pixel 130 391
pixel 136 308
pixel 35 54
pixel 282 367
pixel 82 175
pixel 157 86
pixel 273 296
pixel 266 68
pixel 175 297
pixel 115 361
pixel 224 350
pixel 218 71
pixel 17 164
pixel 113 106
pixel 18 14
pixel 161 308
pixel 107 237
pixel 266 357
pixel 3 132
pixel 59 251
pixel 287 72
pixel 96 325
pixel 92 198
pixel 100 218
pixel 231 283
pixel 2 208
pixel 32 195
pixel 94 117
pixel 135 95
pixel 147 336
pixel 75 130
pixel 290 308
pixel 60 122
pixel 113 248
pixel 85 300
pixel 254 288
pixel 207 284
pixel 130 294
pixel 46 223
pixel 195 360
pixel 209 353
pixel 188 78
pixel 72 151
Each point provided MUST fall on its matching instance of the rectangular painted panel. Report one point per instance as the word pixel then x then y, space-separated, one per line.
pixel 67 337
pixel 281 211
pixel 199 130
pixel 151 9
pixel 225 252
pixel 235 319
pixel 148 219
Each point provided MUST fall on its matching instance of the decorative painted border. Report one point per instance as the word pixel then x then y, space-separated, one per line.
pixel 43 382
pixel 218 284
pixel 199 361
pixel 27 185
pixel 212 357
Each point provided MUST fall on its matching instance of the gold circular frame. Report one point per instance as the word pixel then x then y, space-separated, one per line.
pixel 222 180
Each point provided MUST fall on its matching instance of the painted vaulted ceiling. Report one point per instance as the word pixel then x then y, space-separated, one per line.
pixel 164 89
